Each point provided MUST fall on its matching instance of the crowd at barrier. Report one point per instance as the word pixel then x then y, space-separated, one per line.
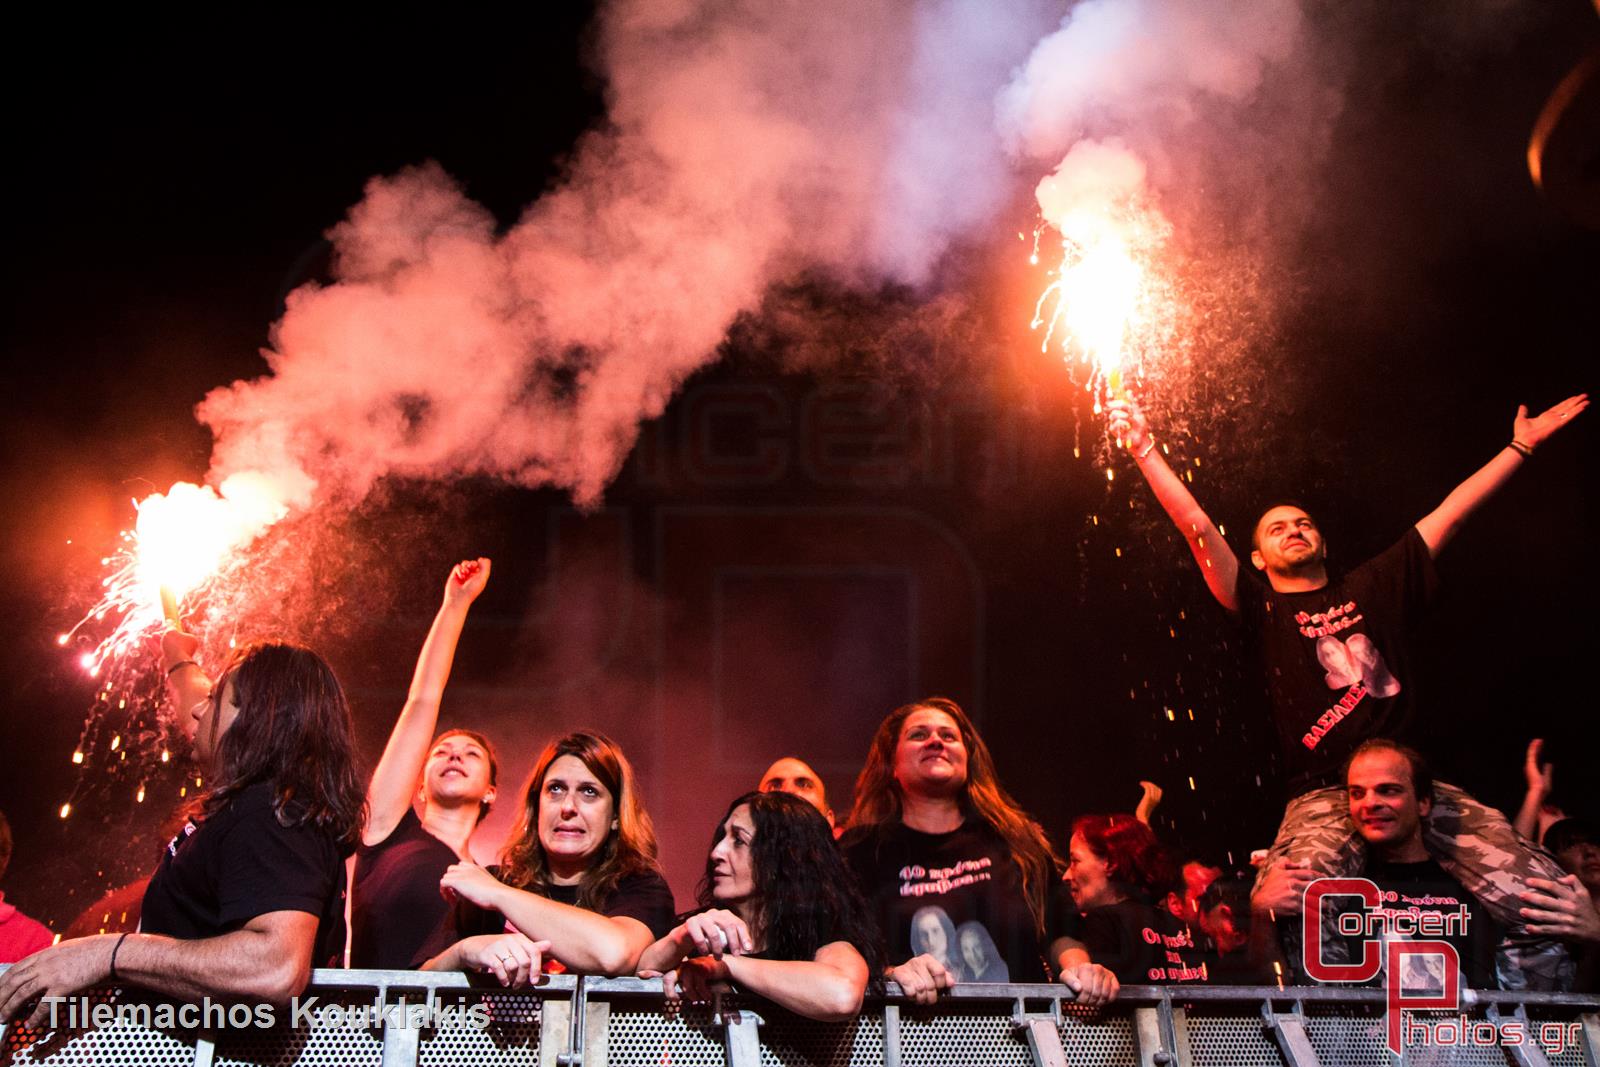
pixel 935 876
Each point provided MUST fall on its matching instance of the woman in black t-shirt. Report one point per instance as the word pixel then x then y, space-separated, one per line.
pixel 783 917
pixel 424 802
pixel 577 881
pixel 932 828
pixel 1117 870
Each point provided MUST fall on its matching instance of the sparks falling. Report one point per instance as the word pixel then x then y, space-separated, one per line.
pixel 183 540
pixel 188 550
pixel 1110 306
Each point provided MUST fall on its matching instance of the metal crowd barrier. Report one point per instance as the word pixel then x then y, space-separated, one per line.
pixel 354 1018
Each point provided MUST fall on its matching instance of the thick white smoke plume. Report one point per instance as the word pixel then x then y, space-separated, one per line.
pixel 746 142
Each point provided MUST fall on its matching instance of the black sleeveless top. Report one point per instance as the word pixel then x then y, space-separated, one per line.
pixel 395 903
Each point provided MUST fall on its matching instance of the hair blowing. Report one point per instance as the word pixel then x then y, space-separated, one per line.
pixel 627 850
pixel 877 801
pixel 293 731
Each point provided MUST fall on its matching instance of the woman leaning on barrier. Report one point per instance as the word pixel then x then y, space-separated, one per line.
pixel 941 849
pixel 577 882
pixel 425 800
pixel 783 917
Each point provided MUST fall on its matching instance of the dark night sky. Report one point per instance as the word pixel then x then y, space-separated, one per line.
pixel 168 197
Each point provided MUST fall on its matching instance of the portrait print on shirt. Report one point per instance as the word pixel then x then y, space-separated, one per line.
pixel 1356 661
pixel 968 953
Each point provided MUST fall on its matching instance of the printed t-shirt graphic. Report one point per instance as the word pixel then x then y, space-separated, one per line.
pixel 1337 660
pixel 957 897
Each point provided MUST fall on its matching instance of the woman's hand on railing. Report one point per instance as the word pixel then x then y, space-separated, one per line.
pixel 1094 985
pixel 512 958
pixel 921 978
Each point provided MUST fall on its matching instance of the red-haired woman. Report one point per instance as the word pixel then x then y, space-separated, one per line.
pixel 577 881
pixel 934 831
pixel 425 800
pixel 1118 871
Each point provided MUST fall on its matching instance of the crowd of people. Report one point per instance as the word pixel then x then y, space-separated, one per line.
pixel 935 877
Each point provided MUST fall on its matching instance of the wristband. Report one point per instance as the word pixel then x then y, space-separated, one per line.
pixel 1521 449
pixel 181 663
pixel 114 950
pixel 1148 446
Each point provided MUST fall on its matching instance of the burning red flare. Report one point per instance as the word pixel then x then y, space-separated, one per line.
pixel 1109 304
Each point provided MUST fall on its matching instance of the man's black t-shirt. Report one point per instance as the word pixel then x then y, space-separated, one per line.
pixel 957 897
pixel 1337 661
pixel 645 897
pixel 395 903
pixel 1412 888
pixel 1141 945
pixel 240 863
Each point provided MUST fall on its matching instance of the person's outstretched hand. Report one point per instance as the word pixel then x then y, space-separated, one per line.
pixel 1148 802
pixel 1532 431
pixel 1541 776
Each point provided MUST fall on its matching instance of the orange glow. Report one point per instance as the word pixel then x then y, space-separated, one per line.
pixel 1106 303
pixel 1110 302
pixel 182 539
pixel 185 534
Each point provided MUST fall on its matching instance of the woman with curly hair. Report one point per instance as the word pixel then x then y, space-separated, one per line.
pixel 1118 871
pixel 578 879
pixel 783 917
pixel 932 826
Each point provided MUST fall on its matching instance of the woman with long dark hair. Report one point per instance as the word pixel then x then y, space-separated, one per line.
pixel 1118 872
pixel 933 826
pixel 577 880
pixel 783 917
pixel 424 802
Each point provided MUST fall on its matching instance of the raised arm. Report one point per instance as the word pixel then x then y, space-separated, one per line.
pixel 1218 565
pixel 1537 813
pixel 269 959
pixel 186 680
pixel 395 779
pixel 583 940
pixel 1148 802
pixel 1527 434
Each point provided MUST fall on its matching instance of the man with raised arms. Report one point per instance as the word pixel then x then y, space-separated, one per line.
pixel 1335 653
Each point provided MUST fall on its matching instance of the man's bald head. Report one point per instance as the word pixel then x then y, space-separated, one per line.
pixel 791 775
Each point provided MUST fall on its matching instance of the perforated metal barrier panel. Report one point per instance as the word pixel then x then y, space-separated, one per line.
pixel 407 1019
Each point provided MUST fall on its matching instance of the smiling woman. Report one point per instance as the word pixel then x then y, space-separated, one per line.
pixel 578 880
pixel 940 847
pixel 424 802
